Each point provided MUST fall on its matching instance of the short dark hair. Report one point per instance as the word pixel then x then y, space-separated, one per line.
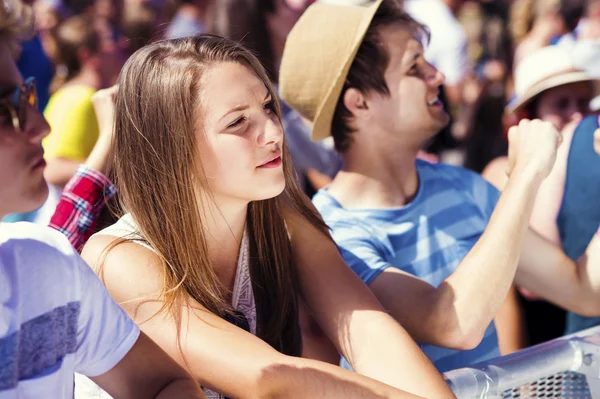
pixel 367 72
pixel 572 11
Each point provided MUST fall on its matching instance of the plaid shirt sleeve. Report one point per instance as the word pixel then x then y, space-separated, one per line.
pixel 81 203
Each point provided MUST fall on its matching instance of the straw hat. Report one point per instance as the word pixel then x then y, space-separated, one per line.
pixel 318 54
pixel 544 69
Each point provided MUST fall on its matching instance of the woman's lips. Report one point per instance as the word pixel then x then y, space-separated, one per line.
pixel 275 163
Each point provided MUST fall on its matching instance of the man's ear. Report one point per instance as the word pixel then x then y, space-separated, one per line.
pixel 355 102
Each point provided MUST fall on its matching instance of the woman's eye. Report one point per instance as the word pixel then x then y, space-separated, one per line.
pixel 270 106
pixel 237 122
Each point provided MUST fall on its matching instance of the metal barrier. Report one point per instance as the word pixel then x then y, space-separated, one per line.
pixel 567 367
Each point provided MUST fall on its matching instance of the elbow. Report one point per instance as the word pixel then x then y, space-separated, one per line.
pixel 272 381
pixel 589 308
pixel 462 340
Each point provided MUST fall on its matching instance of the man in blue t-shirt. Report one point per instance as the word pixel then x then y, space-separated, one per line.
pixel 437 245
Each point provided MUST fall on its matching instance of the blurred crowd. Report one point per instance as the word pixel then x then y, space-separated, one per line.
pixel 495 64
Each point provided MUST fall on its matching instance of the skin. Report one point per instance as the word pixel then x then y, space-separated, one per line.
pixel 238 132
pixel 98 70
pixel 145 371
pixel 562 106
pixel 379 172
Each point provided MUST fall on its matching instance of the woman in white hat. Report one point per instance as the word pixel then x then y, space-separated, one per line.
pixel 550 87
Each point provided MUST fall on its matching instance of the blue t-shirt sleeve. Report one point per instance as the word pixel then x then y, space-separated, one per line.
pixel 362 255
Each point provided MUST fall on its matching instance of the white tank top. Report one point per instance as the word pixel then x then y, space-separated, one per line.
pixel 242 299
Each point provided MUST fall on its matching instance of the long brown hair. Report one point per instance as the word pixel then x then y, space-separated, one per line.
pixel 154 157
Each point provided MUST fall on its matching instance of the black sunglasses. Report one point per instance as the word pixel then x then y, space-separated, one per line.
pixel 13 106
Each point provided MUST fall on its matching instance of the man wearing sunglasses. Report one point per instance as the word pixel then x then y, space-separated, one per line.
pixel 55 316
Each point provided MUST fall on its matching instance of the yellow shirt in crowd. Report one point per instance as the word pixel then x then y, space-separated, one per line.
pixel 73 122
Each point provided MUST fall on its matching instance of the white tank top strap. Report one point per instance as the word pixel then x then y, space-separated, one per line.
pixel 126 228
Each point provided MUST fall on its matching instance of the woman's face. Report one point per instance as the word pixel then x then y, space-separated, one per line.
pixel 563 104
pixel 240 137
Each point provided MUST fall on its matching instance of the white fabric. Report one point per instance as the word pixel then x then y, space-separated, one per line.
pixel 55 316
pixel 447 50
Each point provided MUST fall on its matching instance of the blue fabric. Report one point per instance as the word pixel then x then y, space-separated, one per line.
pixel 35 62
pixel 20 217
pixel 428 238
pixel 579 215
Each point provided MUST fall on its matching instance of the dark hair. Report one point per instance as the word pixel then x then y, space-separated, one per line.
pixel 571 11
pixel 367 72
pixel 244 21
pixel 71 36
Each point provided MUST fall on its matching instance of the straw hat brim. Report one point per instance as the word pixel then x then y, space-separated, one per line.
pixel 550 83
pixel 316 27
pixel 324 115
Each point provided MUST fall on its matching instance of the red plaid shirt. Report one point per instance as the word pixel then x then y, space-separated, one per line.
pixel 81 203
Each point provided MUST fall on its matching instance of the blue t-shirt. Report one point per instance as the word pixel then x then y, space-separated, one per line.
pixel 34 62
pixel 427 238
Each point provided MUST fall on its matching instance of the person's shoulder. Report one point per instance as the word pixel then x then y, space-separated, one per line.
pixel 71 96
pixel 24 235
pixel 120 259
pixel 45 256
pixel 345 224
pixel 324 201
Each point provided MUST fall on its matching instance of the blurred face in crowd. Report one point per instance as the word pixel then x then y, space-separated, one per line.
pixel 287 13
pixel 22 127
pixel 240 148
pixel 112 52
pixel 412 108
pixel 563 104
pixel 46 17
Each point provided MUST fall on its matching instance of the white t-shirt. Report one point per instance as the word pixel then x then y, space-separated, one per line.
pixel 55 316
pixel 447 50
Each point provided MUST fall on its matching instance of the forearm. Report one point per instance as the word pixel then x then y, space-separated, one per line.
pixel 549 273
pixel 383 350
pixel 181 389
pixel 98 158
pixel 81 203
pixel 60 170
pixel 466 302
pixel 303 378
pixel 510 324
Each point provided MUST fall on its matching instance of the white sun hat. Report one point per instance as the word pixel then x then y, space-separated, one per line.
pixel 544 69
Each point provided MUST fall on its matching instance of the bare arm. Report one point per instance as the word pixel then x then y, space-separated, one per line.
pixel 457 312
pixel 549 273
pixel 510 327
pixel 60 170
pixel 218 354
pixel 372 342
pixel 148 372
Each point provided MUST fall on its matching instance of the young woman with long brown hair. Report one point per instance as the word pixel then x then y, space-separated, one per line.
pixel 218 238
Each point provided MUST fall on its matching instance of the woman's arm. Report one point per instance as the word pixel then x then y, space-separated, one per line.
pixel 87 192
pixel 371 340
pixel 218 354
